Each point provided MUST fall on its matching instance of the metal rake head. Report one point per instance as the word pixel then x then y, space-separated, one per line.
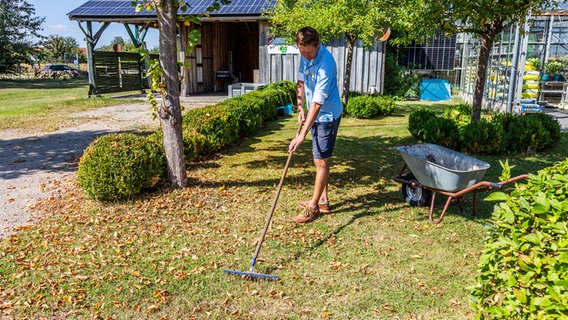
pixel 252 275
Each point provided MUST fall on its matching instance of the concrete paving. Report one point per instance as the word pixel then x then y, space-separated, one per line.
pixel 560 115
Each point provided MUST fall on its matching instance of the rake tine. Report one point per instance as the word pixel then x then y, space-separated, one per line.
pixel 252 275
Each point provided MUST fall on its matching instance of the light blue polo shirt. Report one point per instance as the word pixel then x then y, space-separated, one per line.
pixel 320 84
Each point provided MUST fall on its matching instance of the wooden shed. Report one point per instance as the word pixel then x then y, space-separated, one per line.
pixel 235 46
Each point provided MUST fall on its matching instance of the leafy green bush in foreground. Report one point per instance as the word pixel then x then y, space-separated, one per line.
pixel 523 272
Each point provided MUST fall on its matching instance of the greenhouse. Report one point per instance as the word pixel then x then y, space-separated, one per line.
pixel 526 70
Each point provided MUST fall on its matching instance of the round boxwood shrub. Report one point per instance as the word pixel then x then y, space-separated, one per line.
pixel 504 119
pixel 482 137
pixel 119 165
pixel 369 106
pixel 528 134
pixel 386 105
pixel 417 121
pixel 550 124
pixel 361 107
pixel 442 131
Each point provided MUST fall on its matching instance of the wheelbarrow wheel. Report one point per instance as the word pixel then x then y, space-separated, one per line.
pixel 415 196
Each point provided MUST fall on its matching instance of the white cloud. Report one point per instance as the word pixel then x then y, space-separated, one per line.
pixel 59 27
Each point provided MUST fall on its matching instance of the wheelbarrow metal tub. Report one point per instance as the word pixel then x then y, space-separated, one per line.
pixel 441 168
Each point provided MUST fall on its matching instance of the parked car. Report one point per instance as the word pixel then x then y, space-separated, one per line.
pixel 58 67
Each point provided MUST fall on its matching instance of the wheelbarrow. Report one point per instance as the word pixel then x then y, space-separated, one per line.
pixel 438 170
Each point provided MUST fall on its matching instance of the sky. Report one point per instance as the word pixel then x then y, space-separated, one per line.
pixel 57 23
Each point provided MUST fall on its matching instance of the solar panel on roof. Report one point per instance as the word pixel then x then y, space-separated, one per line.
pixel 124 8
pixel 563 5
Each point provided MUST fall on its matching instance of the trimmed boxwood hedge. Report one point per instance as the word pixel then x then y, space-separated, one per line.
pixel 369 106
pixel 442 131
pixel 119 166
pixel 211 128
pixel 482 137
pixel 499 133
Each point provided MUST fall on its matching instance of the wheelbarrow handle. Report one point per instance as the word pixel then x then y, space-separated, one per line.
pixel 495 185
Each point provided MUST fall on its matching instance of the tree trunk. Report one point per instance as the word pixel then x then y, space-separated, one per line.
pixel 347 76
pixel 170 110
pixel 486 46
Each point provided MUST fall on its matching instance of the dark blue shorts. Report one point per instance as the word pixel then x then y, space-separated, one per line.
pixel 323 138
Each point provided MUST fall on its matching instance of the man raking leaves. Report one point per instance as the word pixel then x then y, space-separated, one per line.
pixel 317 79
pixel 317 84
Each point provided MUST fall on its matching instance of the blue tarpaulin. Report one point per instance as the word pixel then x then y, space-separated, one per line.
pixel 435 90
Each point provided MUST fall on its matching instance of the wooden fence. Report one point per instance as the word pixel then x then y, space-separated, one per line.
pixel 119 71
pixel 366 69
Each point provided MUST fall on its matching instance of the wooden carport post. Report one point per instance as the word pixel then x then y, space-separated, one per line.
pixel 138 39
pixel 91 43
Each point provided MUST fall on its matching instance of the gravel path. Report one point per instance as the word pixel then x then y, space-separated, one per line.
pixel 35 165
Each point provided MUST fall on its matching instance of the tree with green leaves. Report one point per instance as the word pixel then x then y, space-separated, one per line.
pixel 56 46
pixel 18 27
pixel 355 19
pixel 485 19
pixel 166 78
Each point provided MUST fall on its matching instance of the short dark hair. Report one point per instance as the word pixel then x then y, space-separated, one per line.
pixel 307 36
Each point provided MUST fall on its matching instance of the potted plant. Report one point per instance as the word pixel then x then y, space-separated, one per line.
pixel 553 67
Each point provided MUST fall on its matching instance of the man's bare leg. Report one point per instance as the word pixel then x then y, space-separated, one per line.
pixel 320 185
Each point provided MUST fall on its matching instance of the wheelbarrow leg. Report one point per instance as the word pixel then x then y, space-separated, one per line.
pixel 446 206
pixel 474 213
pixel 430 215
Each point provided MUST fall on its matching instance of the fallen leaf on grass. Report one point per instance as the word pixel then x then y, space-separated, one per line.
pixel 160 293
pixel 6 305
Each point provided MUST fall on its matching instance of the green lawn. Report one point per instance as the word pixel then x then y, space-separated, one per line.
pixel 163 256
pixel 42 104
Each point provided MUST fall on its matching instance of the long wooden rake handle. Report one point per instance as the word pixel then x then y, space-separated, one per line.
pixel 273 207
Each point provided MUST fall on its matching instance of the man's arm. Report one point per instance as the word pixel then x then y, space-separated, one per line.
pixel 309 122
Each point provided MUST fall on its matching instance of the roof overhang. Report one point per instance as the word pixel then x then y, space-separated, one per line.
pixel 150 19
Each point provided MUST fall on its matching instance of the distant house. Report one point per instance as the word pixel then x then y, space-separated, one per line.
pixel 235 46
